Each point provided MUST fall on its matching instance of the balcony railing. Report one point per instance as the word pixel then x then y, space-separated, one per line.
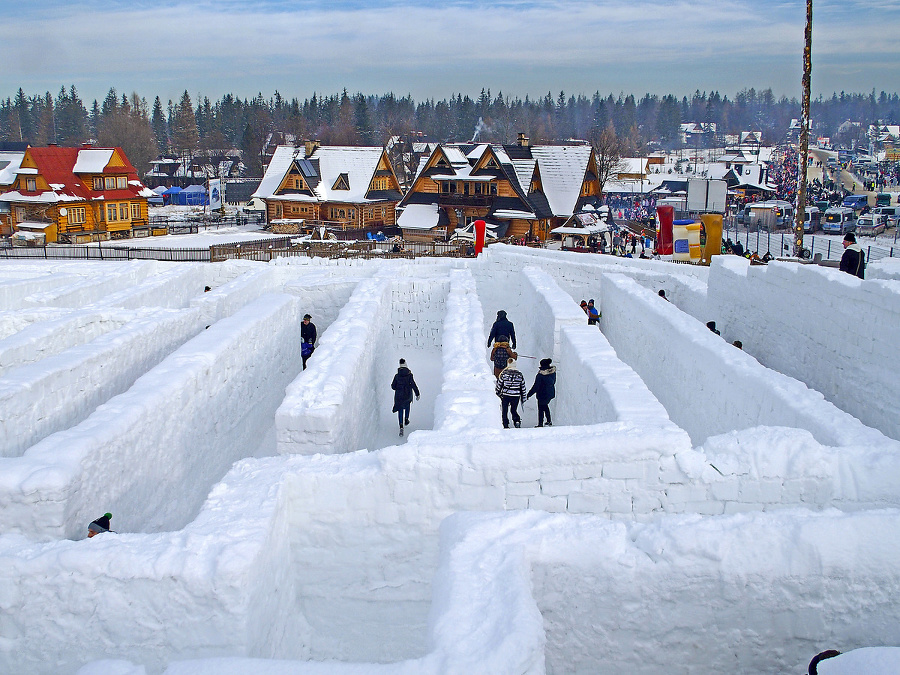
pixel 457 199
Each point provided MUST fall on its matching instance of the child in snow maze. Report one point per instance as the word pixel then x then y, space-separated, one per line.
pixel 501 354
pixel 404 384
pixel 544 388
pixel 99 525
pixel 511 389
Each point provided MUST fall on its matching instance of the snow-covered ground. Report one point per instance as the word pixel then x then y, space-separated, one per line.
pixel 694 508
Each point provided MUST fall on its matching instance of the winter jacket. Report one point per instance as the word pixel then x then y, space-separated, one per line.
pixel 511 383
pixel 404 385
pixel 502 326
pixel 544 387
pixel 308 332
pixel 854 261
pixel 500 354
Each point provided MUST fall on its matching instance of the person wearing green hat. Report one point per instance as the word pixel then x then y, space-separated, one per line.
pixel 99 525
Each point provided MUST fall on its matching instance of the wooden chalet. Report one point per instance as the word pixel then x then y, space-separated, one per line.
pixel 518 190
pixel 76 195
pixel 337 187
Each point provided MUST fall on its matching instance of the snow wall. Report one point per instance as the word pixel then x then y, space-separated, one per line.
pixel 814 323
pixel 126 458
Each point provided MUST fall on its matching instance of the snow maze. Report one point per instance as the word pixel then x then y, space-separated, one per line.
pixel 694 508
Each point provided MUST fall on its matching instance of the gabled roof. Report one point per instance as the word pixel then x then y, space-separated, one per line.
pixel 334 173
pixel 562 174
pixel 57 166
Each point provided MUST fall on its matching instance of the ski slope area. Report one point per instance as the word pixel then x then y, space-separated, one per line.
pixel 694 507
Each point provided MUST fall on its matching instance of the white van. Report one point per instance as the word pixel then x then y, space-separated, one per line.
pixel 871 224
pixel 892 213
pixel 812 220
pixel 839 220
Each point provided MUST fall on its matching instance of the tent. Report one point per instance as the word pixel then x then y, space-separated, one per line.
pixel 170 196
pixel 192 195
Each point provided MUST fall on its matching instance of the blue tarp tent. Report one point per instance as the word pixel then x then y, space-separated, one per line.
pixel 192 195
pixel 170 196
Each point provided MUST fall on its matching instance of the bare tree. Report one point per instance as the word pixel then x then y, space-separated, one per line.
pixel 608 153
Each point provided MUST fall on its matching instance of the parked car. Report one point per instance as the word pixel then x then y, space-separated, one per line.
pixel 892 213
pixel 839 220
pixel 870 224
pixel 856 202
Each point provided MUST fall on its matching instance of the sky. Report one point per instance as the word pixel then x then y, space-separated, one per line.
pixel 436 49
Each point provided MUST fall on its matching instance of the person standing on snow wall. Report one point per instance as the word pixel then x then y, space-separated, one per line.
pixel 307 339
pixel 544 388
pixel 502 326
pixel 511 389
pixel 404 384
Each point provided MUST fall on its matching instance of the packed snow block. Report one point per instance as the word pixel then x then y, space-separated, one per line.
pixel 547 301
pixel 46 396
pixel 97 287
pixel 467 399
pixel 222 586
pixel 417 311
pixel 173 287
pixel 231 296
pixel 60 330
pixel 885 269
pixel 330 407
pixel 707 385
pixel 322 297
pixel 14 292
pixel 786 580
pixel 130 458
pixel 826 328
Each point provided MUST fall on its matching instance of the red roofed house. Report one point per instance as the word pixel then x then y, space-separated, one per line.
pixel 75 195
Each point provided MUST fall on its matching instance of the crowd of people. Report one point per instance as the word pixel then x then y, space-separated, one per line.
pixel 637 208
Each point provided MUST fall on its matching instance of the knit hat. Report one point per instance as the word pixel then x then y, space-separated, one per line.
pixel 502 338
pixel 402 362
pixel 545 363
pixel 850 237
pixel 307 316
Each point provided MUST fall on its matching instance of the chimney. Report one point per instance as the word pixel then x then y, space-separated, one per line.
pixel 311 147
pixel 87 144
pixel 522 140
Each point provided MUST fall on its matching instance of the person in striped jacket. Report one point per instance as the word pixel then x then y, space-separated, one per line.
pixel 511 389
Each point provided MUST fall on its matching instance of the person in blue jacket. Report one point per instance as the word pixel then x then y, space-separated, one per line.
pixel 544 389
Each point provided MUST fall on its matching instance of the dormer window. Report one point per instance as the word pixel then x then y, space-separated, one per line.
pixel 31 184
pixel 121 182
pixel 491 164
pixel 98 184
pixel 342 182
pixel 110 182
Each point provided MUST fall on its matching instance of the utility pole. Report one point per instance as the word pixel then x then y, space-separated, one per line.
pixel 804 134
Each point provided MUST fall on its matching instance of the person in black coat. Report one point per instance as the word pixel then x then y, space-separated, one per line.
pixel 307 338
pixel 502 326
pixel 404 385
pixel 544 388
pixel 853 261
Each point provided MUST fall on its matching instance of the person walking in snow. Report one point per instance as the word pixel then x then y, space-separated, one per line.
pixel 307 339
pixel 404 385
pixel 511 389
pixel 502 326
pixel 501 354
pixel 544 389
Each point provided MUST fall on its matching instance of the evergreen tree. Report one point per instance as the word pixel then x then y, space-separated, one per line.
pixel 185 137
pixel 160 128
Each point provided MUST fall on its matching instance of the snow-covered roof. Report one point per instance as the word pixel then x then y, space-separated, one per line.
pixel 357 163
pixel 46 197
pixel 512 213
pixel 562 170
pixel 33 225
pixel 419 217
pixel 92 161
pixel 9 166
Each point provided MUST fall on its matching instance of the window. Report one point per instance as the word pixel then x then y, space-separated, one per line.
pixel 121 182
pixel 110 182
pixel 20 214
pixel 30 184
pixel 98 183
pixel 111 212
pixel 76 215
pixel 135 211
pixel 123 211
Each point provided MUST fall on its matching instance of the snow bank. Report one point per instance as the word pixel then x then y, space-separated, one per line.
pixel 707 385
pixel 49 395
pixel 129 459
pixel 826 328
